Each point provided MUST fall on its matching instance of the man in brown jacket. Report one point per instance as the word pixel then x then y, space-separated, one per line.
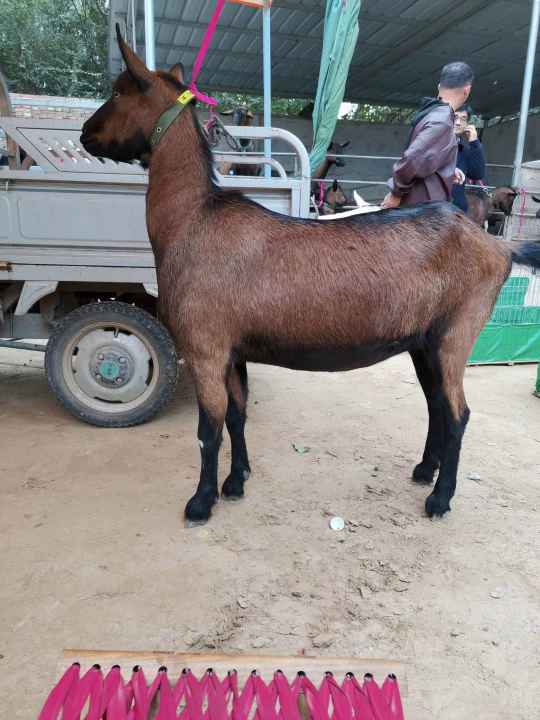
pixel 426 170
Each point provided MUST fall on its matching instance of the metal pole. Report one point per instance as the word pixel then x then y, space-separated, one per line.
pixel 526 92
pixel 134 25
pixel 149 34
pixel 267 82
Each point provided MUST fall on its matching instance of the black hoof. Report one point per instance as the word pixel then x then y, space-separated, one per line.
pixel 436 506
pixel 199 509
pixel 233 488
pixel 424 474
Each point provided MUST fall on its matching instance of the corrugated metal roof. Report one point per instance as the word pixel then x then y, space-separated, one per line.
pixel 402 46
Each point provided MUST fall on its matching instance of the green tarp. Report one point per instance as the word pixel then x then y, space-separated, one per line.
pixel 513 331
pixel 339 42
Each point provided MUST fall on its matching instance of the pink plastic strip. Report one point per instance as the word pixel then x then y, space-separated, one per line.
pixel 288 702
pixel 203 51
pixel 342 707
pixel 57 697
pixel 393 697
pixel 376 698
pixel 89 688
pixel 92 697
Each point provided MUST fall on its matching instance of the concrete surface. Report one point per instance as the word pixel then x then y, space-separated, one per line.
pixel 94 552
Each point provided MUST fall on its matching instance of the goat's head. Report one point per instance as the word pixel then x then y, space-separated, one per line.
pixel 334 196
pixel 240 116
pixel 338 149
pixel 120 129
pixel 503 199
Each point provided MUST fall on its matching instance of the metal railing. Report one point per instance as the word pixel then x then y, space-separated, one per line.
pixel 350 156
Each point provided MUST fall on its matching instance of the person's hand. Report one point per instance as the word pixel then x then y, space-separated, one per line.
pixel 472 133
pixel 459 177
pixel 391 201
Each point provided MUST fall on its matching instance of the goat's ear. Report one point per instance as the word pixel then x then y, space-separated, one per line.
pixel 345 144
pixel 335 185
pixel 137 69
pixel 178 72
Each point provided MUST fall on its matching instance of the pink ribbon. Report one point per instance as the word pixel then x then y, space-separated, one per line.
pixel 203 51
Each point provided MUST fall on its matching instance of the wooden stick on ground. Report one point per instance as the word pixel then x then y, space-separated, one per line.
pixel 266 665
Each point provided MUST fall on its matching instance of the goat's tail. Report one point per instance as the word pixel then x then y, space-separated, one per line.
pixel 527 253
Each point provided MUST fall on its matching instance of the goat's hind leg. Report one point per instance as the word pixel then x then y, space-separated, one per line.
pixel 235 419
pixel 452 356
pixel 456 419
pixel 429 375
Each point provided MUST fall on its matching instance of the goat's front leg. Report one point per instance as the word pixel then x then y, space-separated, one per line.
pixel 212 399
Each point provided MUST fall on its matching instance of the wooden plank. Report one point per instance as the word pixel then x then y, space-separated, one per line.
pixel 266 665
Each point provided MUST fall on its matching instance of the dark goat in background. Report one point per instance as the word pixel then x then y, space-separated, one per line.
pixel 333 157
pixel 334 198
pixel 240 117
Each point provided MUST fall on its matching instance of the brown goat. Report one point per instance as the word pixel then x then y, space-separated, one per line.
pixel 334 198
pixel 333 157
pixel 502 201
pixel 239 283
pixel 478 206
pixel 503 198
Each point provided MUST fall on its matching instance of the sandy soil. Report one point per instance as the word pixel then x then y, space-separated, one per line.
pixel 95 554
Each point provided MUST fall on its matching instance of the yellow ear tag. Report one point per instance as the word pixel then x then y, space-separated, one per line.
pixel 185 97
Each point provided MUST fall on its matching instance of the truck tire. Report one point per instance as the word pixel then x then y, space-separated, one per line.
pixel 112 364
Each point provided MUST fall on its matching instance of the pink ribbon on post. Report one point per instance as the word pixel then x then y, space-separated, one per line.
pixel 203 51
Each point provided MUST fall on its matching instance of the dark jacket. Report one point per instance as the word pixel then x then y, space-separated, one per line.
pixel 425 171
pixel 471 160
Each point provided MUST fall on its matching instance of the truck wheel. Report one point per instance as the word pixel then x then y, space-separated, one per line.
pixel 111 364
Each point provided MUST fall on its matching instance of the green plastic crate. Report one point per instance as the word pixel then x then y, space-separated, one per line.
pixel 515 315
pixel 513 291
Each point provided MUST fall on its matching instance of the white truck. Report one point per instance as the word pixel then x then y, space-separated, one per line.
pixel 77 269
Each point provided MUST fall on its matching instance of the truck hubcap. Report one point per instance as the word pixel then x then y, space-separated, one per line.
pixel 110 366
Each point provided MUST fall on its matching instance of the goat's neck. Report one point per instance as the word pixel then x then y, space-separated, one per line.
pixel 322 170
pixel 178 172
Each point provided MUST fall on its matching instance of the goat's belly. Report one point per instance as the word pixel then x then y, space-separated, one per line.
pixel 324 359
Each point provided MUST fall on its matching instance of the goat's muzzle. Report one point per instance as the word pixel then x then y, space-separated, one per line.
pixel 90 143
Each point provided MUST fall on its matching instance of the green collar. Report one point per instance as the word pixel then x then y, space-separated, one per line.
pixel 167 118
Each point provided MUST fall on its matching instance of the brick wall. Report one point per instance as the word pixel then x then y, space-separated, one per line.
pixel 51 107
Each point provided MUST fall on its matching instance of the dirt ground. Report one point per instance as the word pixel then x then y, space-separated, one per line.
pixel 95 554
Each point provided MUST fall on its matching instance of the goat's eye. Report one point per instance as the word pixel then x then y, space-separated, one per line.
pixel 116 94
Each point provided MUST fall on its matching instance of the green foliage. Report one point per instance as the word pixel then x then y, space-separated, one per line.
pixel 280 106
pixel 55 47
pixel 59 47
pixel 293 107
pixel 380 114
